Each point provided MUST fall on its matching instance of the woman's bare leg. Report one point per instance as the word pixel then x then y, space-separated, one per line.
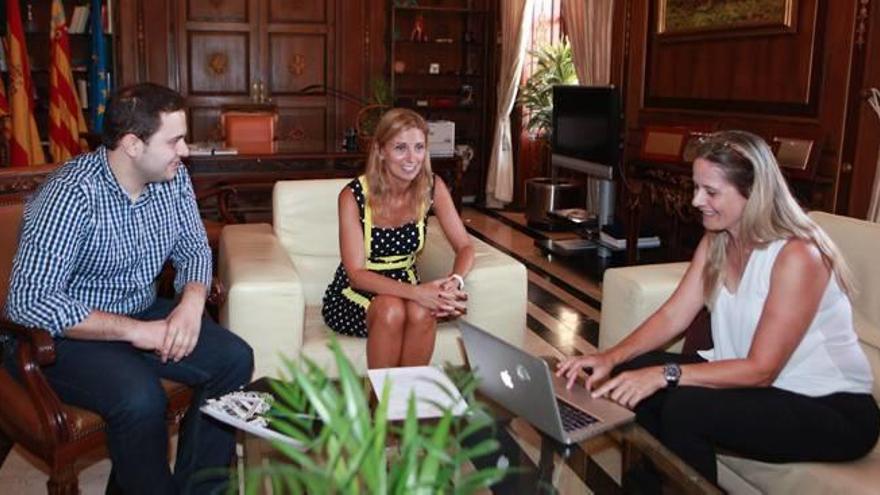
pixel 418 336
pixel 386 319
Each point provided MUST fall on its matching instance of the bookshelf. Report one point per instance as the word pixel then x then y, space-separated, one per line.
pixel 440 66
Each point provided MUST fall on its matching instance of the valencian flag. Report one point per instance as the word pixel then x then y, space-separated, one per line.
pixel 99 86
pixel 65 115
pixel 24 145
pixel 4 115
pixel 4 105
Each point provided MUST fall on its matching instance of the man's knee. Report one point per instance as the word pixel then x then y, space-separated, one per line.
pixel 141 403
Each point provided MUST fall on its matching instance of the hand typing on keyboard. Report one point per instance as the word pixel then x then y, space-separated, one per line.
pixel 596 366
pixel 630 387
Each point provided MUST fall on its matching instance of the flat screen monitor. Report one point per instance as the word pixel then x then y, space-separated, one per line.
pixel 586 129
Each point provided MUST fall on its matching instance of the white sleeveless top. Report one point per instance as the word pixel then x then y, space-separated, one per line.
pixel 828 358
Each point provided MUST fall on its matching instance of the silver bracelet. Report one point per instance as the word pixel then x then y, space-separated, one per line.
pixel 460 280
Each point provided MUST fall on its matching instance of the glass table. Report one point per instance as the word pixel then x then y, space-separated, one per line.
pixel 543 465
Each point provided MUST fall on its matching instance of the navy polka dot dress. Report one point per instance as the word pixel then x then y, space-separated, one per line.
pixel 391 252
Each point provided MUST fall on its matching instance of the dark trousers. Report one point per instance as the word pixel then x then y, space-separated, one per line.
pixel 764 423
pixel 121 384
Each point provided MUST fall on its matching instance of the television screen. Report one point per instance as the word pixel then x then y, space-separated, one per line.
pixel 586 124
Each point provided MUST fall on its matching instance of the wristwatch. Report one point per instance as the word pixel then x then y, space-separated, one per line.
pixel 672 373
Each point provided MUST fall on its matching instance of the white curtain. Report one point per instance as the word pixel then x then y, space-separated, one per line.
pixel 588 24
pixel 514 27
pixel 874 209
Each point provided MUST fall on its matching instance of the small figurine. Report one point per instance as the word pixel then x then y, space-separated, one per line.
pixel 467 95
pixel 418 30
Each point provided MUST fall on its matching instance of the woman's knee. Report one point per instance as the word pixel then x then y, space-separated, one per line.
pixel 687 409
pixel 388 312
pixel 418 316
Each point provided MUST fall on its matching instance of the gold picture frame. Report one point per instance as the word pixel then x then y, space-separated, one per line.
pixel 663 143
pixel 793 153
pixel 681 19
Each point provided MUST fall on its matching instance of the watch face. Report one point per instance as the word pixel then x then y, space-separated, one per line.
pixel 672 372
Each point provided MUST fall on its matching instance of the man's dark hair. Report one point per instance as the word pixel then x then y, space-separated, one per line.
pixel 137 110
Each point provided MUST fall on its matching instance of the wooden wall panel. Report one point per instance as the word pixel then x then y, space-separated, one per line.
pixel 297 11
pixel 776 73
pixel 144 42
pixel 219 63
pixel 792 85
pixel 204 124
pixel 862 136
pixel 218 10
pixel 296 61
pixel 302 129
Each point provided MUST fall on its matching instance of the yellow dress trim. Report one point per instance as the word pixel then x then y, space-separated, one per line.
pixel 355 297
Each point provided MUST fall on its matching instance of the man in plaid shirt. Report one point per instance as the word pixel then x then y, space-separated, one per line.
pixel 93 242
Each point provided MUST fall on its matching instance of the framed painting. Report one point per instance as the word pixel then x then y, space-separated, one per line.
pixel 724 18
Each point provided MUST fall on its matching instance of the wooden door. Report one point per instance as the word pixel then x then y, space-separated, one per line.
pixel 243 52
pixel 218 63
pixel 296 46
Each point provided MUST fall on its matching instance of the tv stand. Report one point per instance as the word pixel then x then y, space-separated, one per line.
pixel 597 171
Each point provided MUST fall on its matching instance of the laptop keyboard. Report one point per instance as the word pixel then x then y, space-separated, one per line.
pixel 573 418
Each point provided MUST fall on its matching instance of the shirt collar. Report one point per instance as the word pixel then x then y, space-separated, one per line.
pixel 113 183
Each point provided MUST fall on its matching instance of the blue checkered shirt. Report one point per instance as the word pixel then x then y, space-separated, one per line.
pixel 86 246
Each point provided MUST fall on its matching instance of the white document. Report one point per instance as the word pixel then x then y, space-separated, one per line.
pixel 429 384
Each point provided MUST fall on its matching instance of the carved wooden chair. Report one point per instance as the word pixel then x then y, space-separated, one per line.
pixel 58 434
pixel 64 437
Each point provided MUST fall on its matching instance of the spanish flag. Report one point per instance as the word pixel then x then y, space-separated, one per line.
pixel 24 147
pixel 66 119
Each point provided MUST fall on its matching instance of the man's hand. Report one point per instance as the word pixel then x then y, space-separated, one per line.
pixel 148 335
pixel 184 324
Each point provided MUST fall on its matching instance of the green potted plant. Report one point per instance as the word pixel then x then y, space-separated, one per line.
pixel 351 448
pixel 368 116
pixel 554 66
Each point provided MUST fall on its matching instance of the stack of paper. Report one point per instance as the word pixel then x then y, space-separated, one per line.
pixel 245 411
pixel 430 385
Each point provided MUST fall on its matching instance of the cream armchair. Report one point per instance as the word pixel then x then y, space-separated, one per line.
pixel 276 276
pixel 631 294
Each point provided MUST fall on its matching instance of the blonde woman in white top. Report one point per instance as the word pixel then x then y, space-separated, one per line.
pixel 786 380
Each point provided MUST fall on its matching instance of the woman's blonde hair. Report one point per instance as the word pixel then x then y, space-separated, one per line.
pixel 392 123
pixel 771 212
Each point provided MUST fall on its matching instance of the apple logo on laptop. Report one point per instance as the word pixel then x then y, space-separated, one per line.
pixel 506 379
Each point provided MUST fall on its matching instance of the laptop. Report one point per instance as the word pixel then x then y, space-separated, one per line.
pixel 525 385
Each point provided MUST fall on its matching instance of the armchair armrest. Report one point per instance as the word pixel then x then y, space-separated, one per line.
pixel 265 303
pixel 36 348
pixel 497 285
pixel 631 294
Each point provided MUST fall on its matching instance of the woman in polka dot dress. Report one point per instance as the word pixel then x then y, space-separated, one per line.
pixel 376 292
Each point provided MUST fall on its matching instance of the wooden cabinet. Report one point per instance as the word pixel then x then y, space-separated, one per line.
pixel 440 66
pixel 238 52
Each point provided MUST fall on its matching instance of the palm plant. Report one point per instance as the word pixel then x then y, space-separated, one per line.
pixel 554 66
pixel 346 449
